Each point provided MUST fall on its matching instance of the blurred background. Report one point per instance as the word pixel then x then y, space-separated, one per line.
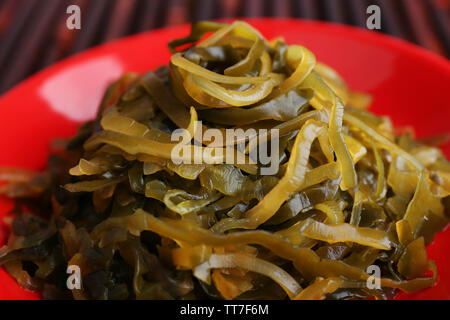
pixel 33 33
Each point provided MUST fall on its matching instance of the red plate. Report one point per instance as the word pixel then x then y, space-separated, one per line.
pixel 408 83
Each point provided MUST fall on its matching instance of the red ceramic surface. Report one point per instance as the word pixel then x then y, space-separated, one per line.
pixel 408 83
